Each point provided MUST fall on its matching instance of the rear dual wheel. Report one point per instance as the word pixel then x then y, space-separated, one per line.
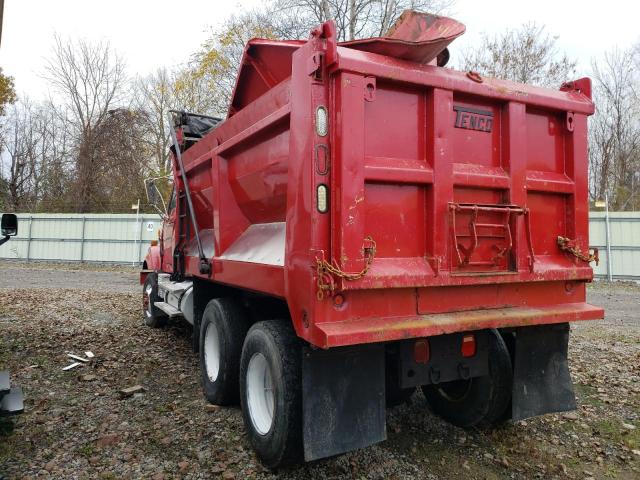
pixel 223 328
pixel 271 392
pixel 480 402
pixel 262 366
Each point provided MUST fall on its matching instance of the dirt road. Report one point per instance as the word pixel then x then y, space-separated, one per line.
pixel 77 425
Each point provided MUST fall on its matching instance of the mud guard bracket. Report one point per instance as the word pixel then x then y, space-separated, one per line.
pixel 541 379
pixel 343 399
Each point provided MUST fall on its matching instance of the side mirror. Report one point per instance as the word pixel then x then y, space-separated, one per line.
pixel 9 226
pixel 154 196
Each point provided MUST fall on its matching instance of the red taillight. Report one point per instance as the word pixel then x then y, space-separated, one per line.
pixel 421 351
pixel 468 348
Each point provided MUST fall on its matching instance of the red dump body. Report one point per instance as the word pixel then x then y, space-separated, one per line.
pixel 445 192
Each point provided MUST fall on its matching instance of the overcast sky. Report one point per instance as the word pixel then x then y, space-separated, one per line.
pixel 153 33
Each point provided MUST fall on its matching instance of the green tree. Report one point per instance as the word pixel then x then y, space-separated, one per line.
pixel 7 91
pixel 206 84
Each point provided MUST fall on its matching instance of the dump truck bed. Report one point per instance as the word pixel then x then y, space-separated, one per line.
pixel 386 199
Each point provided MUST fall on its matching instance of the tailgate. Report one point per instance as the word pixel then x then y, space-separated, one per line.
pixel 455 186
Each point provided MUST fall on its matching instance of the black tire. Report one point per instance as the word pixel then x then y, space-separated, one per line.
pixel 478 402
pixel 227 323
pixel 510 341
pixel 394 394
pixel 280 443
pixel 153 316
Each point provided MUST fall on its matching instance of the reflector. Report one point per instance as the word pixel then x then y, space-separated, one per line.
pixel 421 351
pixel 322 122
pixel 322 198
pixel 468 346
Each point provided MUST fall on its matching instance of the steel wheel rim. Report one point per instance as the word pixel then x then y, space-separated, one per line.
pixel 260 394
pixel 456 394
pixel 212 352
pixel 146 300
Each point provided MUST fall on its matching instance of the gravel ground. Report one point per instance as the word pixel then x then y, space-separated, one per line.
pixel 103 278
pixel 77 425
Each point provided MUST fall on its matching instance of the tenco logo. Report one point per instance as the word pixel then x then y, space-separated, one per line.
pixel 473 119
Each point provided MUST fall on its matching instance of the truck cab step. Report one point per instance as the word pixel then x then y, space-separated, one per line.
pixel 5 383
pixel 12 403
pixel 174 287
pixel 172 312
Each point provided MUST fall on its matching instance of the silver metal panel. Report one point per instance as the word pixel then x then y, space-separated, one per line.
pixel 164 284
pixel 625 244
pixel 186 305
pixel 207 239
pixel 114 238
pixel 177 295
pixel 260 243
pixel 168 309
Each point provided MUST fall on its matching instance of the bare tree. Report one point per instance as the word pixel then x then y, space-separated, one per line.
pixel 119 145
pixel 34 157
pixel 526 55
pixel 206 84
pixel 57 165
pixel 85 154
pixel 19 145
pixel 355 18
pixel 90 78
pixel 155 96
pixel 614 136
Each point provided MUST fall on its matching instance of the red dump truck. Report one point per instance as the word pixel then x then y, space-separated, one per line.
pixel 365 222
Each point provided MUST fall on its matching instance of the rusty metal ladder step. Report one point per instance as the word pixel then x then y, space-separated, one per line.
pixel 463 255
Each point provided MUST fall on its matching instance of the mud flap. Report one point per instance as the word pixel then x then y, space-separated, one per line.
pixel 343 402
pixel 541 378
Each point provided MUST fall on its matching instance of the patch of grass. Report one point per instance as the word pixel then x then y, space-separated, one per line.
pixel 612 429
pixel 632 439
pixel 86 450
pixel 164 408
pixel 588 395
pixel 611 472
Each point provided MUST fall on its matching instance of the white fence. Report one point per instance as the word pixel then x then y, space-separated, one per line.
pixel 124 239
pixel 624 244
pixel 82 238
